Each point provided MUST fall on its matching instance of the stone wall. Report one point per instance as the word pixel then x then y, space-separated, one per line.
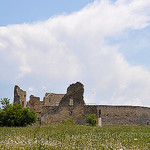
pixel 52 99
pixel 58 114
pixel 35 104
pixel 143 116
pixel 57 107
pixel 71 106
pixel 124 115
pixel 74 96
pixel 19 96
pixel 111 115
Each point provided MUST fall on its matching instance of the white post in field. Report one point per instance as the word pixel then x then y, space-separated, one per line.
pixel 99 118
pixel 99 122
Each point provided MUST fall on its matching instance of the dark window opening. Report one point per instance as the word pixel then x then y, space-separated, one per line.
pixel 147 123
pixel 99 113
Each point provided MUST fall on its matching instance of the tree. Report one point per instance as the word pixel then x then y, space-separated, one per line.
pixel 5 102
pixel 15 115
pixel 91 119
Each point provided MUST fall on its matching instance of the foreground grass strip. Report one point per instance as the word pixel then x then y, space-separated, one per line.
pixel 65 137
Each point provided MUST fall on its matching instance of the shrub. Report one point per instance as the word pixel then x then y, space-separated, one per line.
pixel 68 122
pixel 15 115
pixel 91 119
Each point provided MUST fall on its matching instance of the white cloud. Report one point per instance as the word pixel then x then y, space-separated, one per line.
pixel 74 47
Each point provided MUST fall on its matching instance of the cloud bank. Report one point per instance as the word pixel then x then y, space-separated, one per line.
pixel 75 47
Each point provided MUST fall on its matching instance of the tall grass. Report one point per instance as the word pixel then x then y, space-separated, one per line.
pixel 66 137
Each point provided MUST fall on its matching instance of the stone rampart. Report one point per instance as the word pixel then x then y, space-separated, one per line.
pixel 124 115
pixel 143 116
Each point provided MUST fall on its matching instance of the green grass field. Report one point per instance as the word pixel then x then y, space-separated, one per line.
pixel 67 137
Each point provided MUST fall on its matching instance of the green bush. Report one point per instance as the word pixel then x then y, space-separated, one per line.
pixel 15 115
pixel 68 122
pixel 91 119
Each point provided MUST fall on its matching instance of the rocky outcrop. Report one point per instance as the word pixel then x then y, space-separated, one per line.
pixel 74 96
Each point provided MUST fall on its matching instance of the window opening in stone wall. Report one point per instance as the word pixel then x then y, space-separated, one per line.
pixel 71 102
pixel 147 123
pixel 99 113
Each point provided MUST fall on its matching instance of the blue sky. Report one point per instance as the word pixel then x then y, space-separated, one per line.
pixel 28 11
pixel 47 45
pixel 135 46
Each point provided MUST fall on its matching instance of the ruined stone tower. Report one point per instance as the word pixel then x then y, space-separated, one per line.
pixel 74 96
pixel 19 96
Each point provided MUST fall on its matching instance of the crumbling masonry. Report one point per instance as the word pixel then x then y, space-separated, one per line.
pixel 57 107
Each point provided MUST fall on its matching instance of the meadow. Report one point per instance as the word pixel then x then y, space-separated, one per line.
pixel 68 137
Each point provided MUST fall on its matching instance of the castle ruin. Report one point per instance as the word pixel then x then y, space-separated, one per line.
pixel 57 107
pixel 19 96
